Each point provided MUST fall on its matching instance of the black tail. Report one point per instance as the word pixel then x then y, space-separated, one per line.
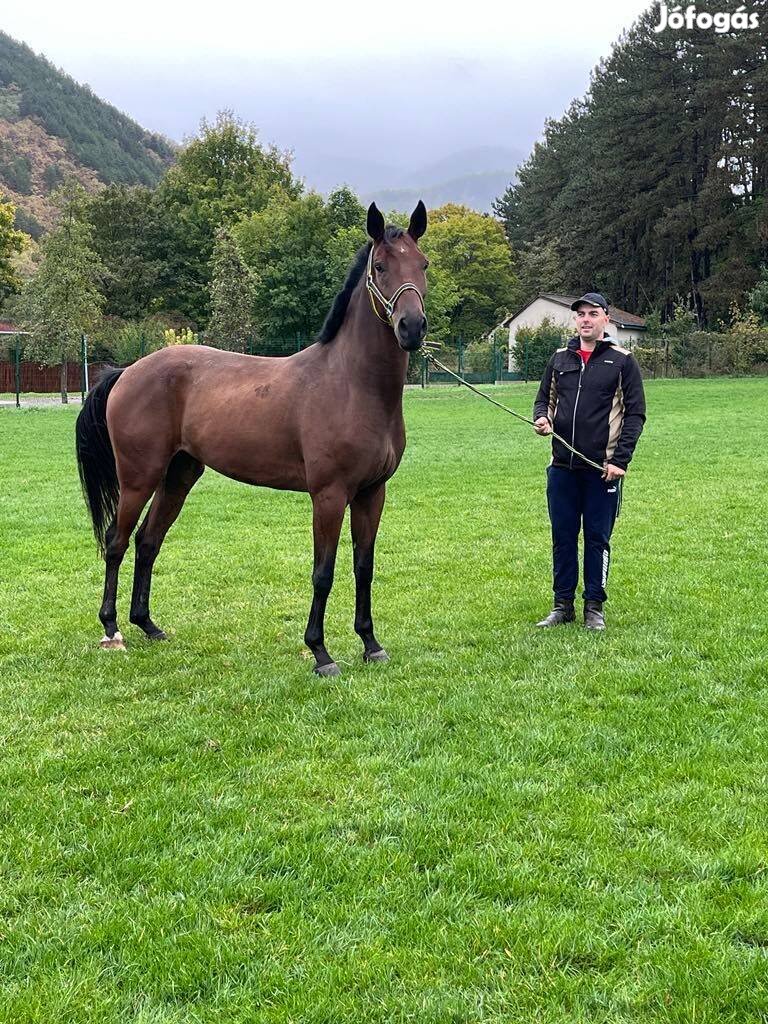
pixel 95 458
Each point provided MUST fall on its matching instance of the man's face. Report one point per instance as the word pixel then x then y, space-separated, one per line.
pixel 591 322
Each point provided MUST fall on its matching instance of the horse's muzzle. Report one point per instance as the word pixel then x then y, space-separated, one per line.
pixel 411 330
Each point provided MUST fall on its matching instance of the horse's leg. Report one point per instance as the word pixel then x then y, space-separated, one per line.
pixel 182 474
pixel 132 501
pixel 328 507
pixel 365 516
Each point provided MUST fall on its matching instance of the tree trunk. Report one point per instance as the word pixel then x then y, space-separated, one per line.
pixel 64 397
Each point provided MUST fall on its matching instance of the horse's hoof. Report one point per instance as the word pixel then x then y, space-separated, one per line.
pixel 112 643
pixel 375 655
pixel 158 634
pixel 331 669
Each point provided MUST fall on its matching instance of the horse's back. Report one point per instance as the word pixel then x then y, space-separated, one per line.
pixel 236 413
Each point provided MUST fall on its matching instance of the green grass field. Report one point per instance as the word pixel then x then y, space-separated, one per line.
pixel 498 826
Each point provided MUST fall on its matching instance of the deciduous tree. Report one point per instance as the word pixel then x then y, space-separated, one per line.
pixel 222 176
pixel 63 300
pixel 471 262
pixel 11 245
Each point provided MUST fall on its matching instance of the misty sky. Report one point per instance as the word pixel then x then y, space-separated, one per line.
pixel 359 91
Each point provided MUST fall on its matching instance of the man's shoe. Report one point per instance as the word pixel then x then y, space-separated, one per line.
pixel 593 615
pixel 561 613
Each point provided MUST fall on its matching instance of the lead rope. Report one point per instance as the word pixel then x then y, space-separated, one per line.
pixel 428 355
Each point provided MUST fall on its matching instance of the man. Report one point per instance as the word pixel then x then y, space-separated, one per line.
pixel 591 395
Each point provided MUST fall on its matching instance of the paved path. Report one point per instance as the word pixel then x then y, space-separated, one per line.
pixel 30 400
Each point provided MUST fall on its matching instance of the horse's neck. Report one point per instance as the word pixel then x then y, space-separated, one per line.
pixel 370 350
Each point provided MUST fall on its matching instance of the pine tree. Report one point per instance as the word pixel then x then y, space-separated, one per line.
pixel 652 187
pixel 233 290
pixel 758 297
pixel 63 301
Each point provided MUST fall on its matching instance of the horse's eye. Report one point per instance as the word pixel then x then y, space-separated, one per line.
pixel 426 264
pixel 379 268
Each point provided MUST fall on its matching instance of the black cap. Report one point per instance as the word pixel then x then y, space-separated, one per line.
pixel 593 298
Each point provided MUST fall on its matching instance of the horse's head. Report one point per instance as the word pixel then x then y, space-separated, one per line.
pixel 396 279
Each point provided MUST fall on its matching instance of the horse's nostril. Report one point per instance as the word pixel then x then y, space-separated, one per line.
pixel 412 324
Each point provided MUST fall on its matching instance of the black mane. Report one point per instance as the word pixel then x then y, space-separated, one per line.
pixel 338 310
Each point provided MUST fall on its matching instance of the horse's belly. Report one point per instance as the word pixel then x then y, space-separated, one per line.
pixel 252 449
pixel 282 480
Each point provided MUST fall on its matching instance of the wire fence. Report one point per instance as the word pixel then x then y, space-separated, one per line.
pixel 489 361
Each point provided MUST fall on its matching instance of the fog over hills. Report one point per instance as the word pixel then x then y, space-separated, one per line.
pixel 434 123
pixel 411 97
pixel 473 177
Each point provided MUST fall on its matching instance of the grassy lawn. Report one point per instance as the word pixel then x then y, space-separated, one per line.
pixel 498 826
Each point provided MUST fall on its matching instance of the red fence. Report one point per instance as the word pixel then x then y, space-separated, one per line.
pixel 43 379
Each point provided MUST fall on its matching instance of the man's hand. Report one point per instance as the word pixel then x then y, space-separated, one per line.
pixel 611 473
pixel 542 426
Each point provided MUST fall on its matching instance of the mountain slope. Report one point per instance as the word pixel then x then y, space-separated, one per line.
pixel 52 127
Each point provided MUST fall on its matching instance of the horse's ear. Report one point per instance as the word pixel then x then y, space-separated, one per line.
pixel 418 224
pixel 375 225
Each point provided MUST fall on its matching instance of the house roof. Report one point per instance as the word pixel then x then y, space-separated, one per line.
pixel 619 317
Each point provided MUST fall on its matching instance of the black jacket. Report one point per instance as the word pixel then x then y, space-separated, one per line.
pixel 599 408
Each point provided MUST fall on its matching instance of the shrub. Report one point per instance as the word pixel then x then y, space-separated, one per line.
pixel 125 341
pixel 745 345
pixel 478 357
pixel 533 346
pixel 183 337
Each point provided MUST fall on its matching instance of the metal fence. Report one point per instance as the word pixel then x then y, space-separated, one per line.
pixel 484 362
pixel 25 382
pixel 703 354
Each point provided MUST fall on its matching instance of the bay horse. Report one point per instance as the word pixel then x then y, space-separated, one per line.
pixel 327 420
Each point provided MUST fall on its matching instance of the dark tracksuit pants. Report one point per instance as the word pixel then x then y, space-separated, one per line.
pixel 581 498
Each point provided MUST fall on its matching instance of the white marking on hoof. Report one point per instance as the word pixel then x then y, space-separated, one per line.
pixel 112 643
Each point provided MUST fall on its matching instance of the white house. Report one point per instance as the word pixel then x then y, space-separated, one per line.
pixel 625 327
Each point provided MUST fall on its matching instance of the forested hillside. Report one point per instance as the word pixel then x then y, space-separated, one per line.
pixel 51 128
pixel 652 187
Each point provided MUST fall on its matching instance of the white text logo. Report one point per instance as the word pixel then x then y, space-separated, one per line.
pixel 691 18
